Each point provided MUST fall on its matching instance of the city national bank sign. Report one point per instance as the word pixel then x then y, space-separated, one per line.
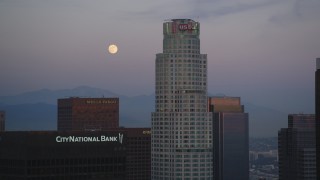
pixel 77 139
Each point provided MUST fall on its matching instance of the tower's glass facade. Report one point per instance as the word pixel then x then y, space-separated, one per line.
pixel 181 146
pixel 296 148
pixel 230 138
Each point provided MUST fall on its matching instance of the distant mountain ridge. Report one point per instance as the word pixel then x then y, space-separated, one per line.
pixel 37 110
pixel 50 96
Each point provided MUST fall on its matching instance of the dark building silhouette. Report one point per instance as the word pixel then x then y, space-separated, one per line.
pixel 88 114
pixel 138 158
pixel 317 105
pixel 2 121
pixel 296 148
pixel 230 138
pixel 88 145
pixel 102 114
pixel 119 154
pixel 63 155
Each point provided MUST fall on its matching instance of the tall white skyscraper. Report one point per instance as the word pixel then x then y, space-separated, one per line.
pixel 181 124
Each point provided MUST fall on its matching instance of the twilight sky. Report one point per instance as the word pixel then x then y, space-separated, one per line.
pixel 261 50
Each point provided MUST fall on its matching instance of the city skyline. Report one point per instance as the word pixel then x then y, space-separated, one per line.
pixel 262 51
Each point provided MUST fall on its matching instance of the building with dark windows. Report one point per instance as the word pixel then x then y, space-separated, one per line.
pixel 62 155
pixel 2 121
pixel 230 138
pixel 88 114
pixel 296 148
pixel 119 154
pixel 102 114
pixel 138 156
pixel 181 124
pixel 317 105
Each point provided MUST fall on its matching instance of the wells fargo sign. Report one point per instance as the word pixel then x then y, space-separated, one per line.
pixel 109 101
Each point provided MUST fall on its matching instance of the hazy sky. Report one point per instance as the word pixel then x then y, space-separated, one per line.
pixel 261 50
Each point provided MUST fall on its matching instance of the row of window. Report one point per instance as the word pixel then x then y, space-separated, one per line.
pixel 184 174
pixel 189 115
pixel 163 76
pixel 181 178
pixel 180 83
pixel 181 106
pixel 171 58
pixel 174 156
pixel 202 122
pixel 185 47
pixel 183 94
pixel 189 129
pixel 172 91
pixel 180 145
pixel 195 41
pixel 202 60
pixel 183 131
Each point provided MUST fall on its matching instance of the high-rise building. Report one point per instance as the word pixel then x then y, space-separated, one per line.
pixel 138 157
pixel 88 114
pixel 2 120
pixel 230 138
pixel 63 155
pixel 122 154
pixel 181 146
pixel 296 148
pixel 317 105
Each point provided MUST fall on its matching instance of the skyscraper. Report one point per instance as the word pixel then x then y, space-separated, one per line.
pixel 56 155
pixel 230 138
pixel 181 146
pixel 2 121
pixel 138 158
pixel 88 114
pixel 296 148
pixel 317 105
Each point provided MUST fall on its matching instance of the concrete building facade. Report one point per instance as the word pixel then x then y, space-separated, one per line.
pixel 181 124
pixel 88 114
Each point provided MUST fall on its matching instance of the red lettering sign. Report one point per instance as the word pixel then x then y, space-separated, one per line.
pixel 183 27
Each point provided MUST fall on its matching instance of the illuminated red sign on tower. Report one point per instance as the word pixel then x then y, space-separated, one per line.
pixel 183 27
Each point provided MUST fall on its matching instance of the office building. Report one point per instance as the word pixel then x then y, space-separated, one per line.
pixel 2 121
pixel 138 154
pixel 88 114
pixel 317 110
pixel 181 146
pixel 62 155
pixel 119 154
pixel 296 148
pixel 102 114
pixel 230 138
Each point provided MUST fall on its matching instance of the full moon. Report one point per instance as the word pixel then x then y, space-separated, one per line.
pixel 113 49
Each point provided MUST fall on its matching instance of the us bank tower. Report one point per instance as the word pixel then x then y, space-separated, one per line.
pixel 181 146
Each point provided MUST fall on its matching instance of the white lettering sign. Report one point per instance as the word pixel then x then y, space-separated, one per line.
pixel 102 138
